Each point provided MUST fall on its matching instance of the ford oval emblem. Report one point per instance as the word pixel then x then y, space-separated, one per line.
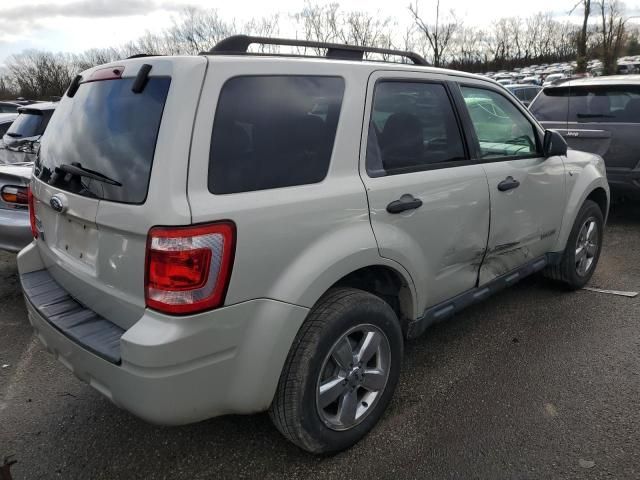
pixel 58 203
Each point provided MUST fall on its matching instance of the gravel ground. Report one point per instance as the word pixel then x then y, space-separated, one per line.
pixel 533 383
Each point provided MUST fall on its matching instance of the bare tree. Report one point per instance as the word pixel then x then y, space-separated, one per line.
pixel 438 35
pixel 583 34
pixel 612 33
pixel 39 74
pixel 319 23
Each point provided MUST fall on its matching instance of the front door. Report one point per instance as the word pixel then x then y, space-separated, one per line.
pixel 429 203
pixel 527 190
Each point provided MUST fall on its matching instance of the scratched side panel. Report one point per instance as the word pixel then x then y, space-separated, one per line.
pixel 525 221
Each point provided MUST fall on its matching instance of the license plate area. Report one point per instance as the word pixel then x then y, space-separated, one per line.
pixel 73 238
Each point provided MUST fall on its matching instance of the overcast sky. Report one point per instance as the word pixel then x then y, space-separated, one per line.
pixel 76 25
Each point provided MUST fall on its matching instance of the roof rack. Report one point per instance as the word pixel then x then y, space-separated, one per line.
pixel 141 55
pixel 239 44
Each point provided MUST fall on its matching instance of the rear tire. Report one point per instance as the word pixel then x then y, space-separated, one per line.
pixel 581 255
pixel 341 372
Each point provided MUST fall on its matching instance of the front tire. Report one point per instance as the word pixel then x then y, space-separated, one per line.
pixel 582 252
pixel 341 372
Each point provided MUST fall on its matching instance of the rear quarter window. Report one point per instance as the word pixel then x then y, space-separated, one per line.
pixel 273 131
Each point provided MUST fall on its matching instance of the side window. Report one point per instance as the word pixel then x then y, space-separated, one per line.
pixel 502 130
pixel 273 131
pixel 412 126
pixel 521 94
pixel 532 93
pixel 4 127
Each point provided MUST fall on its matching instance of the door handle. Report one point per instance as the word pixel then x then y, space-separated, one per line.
pixel 405 202
pixel 508 183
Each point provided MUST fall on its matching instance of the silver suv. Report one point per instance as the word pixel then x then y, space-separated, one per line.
pixel 234 232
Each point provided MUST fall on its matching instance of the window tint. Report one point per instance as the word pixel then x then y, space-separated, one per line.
pixel 109 129
pixel 6 108
pixel 502 129
pixel 412 126
pixel 520 93
pixel 26 125
pixel 588 104
pixel 4 127
pixel 532 93
pixel 273 131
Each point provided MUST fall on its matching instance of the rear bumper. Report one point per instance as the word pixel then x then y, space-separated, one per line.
pixel 15 230
pixel 181 370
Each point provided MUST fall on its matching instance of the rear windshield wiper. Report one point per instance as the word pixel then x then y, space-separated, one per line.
pixel 78 170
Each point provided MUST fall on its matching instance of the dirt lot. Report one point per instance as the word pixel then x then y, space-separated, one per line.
pixel 534 383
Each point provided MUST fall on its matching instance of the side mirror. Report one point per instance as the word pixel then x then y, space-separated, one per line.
pixel 554 144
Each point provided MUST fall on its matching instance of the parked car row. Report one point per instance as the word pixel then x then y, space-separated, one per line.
pixel 534 75
pixel 20 138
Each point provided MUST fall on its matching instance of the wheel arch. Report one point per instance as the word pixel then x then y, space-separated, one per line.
pixel 387 283
pixel 591 184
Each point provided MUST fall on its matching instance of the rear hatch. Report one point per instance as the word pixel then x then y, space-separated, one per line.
pixel 601 119
pixel 112 164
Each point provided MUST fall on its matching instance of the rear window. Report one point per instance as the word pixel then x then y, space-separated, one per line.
pixel 589 104
pixel 109 130
pixel 7 108
pixel 273 131
pixel 4 127
pixel 26 125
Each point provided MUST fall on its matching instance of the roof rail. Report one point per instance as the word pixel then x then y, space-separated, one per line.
pixel 141 55
pixel 239 44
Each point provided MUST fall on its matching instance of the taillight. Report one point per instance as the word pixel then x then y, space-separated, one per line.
pixel 32 212
pixel 188 268
pixel 15 195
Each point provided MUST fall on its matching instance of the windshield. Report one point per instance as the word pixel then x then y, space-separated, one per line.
pixel 26 125
pixel 588 104
pixel 108 129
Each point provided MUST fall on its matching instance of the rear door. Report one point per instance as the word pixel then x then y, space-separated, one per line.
pixel 428 201
pixel 526 189
pixel 132 149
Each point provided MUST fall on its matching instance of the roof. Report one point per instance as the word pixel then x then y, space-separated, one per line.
pixel 39 106
pixel 7 117
pixel 364 64
pixel 594 81
pixel 522 85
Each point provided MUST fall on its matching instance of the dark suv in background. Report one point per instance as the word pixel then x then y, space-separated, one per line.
pixel 602 116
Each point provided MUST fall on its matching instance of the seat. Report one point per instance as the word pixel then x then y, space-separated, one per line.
pixel 232 148
pixel 300 145
pixel 600 105
pixel 631 112
pixel 401 141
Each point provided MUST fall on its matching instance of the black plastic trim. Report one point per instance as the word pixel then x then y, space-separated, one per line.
pixel 141 79
pixel 73 87
pixel 239 44
pixel 448 308
pixel 62 311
